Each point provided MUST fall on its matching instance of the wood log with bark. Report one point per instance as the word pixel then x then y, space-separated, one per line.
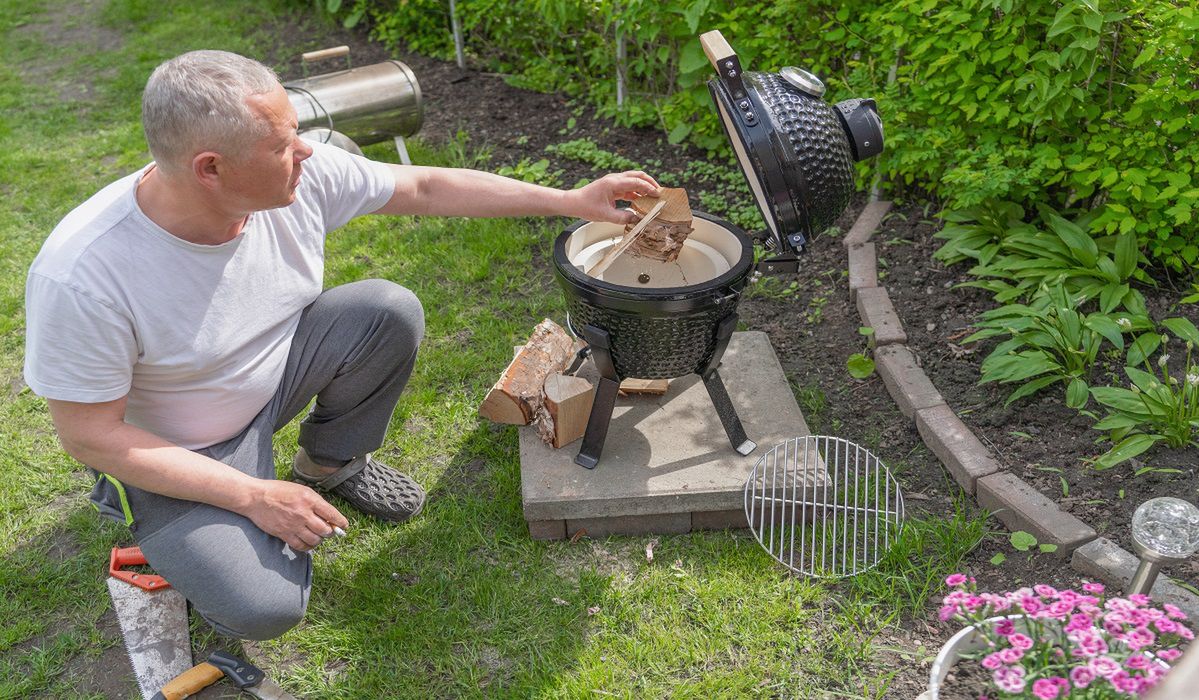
pixel 664 236
pixel 517 395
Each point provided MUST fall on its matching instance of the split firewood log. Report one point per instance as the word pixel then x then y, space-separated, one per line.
pixel 664 236
pixel 566 405
pixel 517 395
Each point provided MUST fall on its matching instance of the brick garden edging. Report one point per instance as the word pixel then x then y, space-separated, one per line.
pixel 1015 502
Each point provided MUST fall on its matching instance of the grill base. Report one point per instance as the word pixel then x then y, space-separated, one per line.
pixel 600 343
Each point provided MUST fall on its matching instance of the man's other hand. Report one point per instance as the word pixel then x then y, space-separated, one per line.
pixel 294 513
pixel 596 201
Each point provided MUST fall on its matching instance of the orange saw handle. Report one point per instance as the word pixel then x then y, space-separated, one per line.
pixel 132 556
pixel 190 682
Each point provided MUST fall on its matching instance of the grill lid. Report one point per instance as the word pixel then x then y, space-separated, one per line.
pixel 796 150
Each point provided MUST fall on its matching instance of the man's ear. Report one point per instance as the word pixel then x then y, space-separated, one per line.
pixel 206 168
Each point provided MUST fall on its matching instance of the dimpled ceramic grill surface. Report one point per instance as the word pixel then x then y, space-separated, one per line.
pixel 823 506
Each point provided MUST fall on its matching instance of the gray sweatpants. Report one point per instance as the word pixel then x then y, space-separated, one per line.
pixel 353 350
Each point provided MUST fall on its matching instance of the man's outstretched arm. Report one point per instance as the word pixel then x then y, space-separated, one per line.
pixel 461 192
pixel 97 435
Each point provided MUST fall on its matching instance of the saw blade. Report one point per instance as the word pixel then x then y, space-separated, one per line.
pixel 154 625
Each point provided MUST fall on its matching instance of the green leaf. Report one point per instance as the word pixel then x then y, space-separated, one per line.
pixel 1022 540
pixel 1126 255
pixel 1128 448
pixel 1077 394
pixel 999 558
pixel 678 134
pixel 1030 388
pixel 859 366
pixel 1107 328
pixel 866 331
pixel 1183 328
pixel 692 58
pixel 1078 241
pixel 1047 547
pixel 1145 345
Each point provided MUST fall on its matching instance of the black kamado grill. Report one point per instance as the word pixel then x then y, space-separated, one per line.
pixel 649 319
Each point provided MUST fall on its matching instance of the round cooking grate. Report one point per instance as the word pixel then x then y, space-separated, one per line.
pixel 823 506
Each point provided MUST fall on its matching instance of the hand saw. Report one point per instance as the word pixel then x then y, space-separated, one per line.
pixel 153 619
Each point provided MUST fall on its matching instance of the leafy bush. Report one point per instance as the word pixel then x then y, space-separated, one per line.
pixel 1158 407
pixel 1016 258
pixel 1070 104
pixel 1047 344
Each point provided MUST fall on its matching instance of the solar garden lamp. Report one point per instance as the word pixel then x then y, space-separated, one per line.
pixel 1164 530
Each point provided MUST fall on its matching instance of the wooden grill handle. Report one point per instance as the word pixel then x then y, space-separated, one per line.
pixel 191 681
pixel 334 52
pixel 716 48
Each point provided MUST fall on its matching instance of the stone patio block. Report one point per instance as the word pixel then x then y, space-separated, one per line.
pixel 863 268
pixel 1105 560
pixel 868 222
pixel 877 311
pixel 719 520
pixel 966 458
pixel 665 455
pixel 547 529
pixel 660 524
pixel 905 381
pixel 1019 506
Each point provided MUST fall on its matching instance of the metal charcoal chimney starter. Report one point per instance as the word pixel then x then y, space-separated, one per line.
pixel 650 319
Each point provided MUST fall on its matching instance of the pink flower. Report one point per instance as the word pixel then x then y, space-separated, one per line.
pixel 1078 621
pixel 992 661
pixel 1137 662
pixel 947 611
pixel 1031 604
pixel 1043 590
pixel 1045 689
pixel 1169 654
pixel 1139 598
pixel 1010 655
pixel 1095 588
pixel 1060 610
pixel 1004 628
pixel 1104 666
pixel 1020 641
pixel 955 580
pixel 1165 624
pixel 1139 638
pixel 1009 679
pixel 1185 632
pixel 1174 612
pixel 1089 643
pixel 1082 676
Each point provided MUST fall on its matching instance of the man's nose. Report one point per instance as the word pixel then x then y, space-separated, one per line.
pixel 303 149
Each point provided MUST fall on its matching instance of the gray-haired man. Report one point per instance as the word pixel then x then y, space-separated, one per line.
pixel 176 320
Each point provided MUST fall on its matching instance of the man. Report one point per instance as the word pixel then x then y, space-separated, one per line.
pixel 176 320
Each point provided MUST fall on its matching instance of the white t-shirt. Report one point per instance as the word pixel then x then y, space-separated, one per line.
pixel 196 335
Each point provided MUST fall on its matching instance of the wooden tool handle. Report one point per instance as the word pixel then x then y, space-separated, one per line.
pixel 191 681
pixel 335 52
pixel 716 48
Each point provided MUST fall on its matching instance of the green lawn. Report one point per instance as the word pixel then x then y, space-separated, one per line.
pixel 459 602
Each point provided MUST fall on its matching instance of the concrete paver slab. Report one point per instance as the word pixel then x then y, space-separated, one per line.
pixel 667 454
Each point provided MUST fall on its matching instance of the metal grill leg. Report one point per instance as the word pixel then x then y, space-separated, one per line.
pixel 605 397
pixel 728 414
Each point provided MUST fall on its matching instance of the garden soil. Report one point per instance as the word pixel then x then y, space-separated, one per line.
pixel 814 328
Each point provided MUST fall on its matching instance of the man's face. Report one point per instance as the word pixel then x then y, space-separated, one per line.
pixel 271 170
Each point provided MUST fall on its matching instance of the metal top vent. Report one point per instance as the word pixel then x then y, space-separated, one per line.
pixel 823 506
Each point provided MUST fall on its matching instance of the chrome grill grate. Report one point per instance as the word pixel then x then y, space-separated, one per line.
pixel 823 506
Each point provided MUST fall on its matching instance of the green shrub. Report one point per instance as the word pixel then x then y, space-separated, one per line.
pixel 1073 104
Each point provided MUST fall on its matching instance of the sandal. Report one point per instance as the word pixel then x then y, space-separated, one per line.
pixel 371 487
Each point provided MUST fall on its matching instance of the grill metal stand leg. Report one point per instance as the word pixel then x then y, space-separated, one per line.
pixel 605 397
pixel 720 395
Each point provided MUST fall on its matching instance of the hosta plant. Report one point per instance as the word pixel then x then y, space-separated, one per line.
pixel 1158 406
pixel 1016 259
pixel 1058 644
pixel 1049 342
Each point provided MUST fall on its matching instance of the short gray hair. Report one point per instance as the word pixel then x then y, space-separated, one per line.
pixel 197 102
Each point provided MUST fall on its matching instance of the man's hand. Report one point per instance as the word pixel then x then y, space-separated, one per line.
pixel 596 201
pixel 294 513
